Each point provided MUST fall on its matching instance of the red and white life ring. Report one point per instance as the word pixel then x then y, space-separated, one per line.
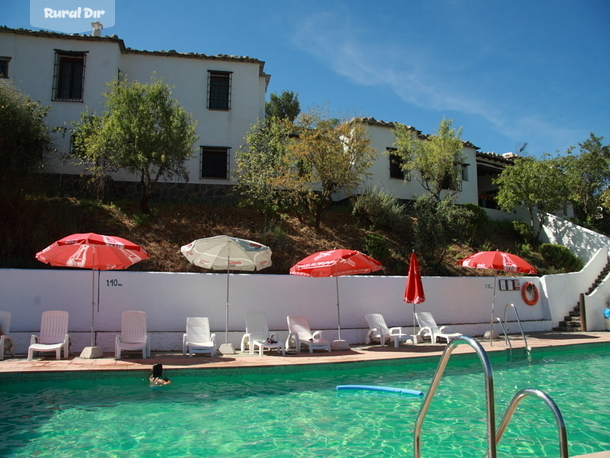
pixel 530 293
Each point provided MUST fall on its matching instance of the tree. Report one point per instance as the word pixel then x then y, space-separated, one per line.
pixel 439 224
pixel 25 139
pixel 589 175
pixel 143 131
pixel 260 166
pixel 330 156
pixel 540 185
pixel 436 158
pixel 284 106
pixel 302 165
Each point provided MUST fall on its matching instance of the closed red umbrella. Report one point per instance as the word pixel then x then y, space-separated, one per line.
pixel 414 291
pixel 95 252
pixel 335 263
pixel 497 260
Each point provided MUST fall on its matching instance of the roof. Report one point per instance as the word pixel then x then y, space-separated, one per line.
pixel 124 49
pixel 374 122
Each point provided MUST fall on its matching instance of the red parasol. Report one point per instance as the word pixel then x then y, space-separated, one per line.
pixel 335 263
pixel 497 260
pixel 92 251
pixel 414 291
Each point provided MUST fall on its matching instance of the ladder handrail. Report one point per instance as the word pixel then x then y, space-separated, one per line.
pixel 527 348
pixel 493 436
pixel 491 415
pixel 517 398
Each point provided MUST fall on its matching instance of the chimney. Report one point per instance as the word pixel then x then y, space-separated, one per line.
pixel 97 29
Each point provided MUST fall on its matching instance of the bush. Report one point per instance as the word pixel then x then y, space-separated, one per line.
pixel 376 246
pixel 478 224
pixel 524 231
pixel 439 224
pixel 560 257
pixel 381 208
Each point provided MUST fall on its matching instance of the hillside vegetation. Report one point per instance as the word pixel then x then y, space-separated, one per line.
pixel 34 223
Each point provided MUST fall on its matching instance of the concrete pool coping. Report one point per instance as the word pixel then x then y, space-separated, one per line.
pixel 537 341
pixel 46 362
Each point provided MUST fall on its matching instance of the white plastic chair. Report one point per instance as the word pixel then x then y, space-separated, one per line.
pixel 379 329
pixel 258 335
pixel 428 327
pixel 133 334
pixel 6 343
pixel 299 333
pixel 53 335
pixel 197 338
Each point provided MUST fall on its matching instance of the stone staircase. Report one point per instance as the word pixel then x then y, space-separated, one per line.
pixel 573 321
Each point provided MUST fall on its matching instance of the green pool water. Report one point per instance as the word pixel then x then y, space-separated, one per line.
pixel 286 412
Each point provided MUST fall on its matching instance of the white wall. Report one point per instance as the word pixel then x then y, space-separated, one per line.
pixel 382 138
pixel 32 69
pixel 168 298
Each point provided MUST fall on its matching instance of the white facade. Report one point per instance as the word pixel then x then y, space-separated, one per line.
pixel 33 69
pixel 383 140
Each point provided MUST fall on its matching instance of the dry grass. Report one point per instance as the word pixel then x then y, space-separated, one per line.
pixel 33 224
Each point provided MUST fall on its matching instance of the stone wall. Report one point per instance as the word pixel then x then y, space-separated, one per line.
pixel 76 186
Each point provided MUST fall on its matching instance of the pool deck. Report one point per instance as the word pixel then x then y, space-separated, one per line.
pixel 175 360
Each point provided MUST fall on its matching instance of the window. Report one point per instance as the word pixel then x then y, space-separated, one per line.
pixel 69 76
pixel 219 90
pixel 4 66
pixel 396 166
pixel 464 172
pixel 214 162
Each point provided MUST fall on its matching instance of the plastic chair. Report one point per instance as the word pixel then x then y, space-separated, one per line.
pixel 299 333
pixel 197 338
pixel 428 327
pixel 6 343
pixel 258 335
pixel 133 334
pixel 53 335
pixel 379 329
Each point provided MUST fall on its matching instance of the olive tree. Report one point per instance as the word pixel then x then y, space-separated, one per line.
pixel 434 160
pixel 143 132
pixel 25 139
pixel 540 185
pixel 302 164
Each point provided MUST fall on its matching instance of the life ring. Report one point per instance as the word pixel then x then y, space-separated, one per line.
pixel 528 289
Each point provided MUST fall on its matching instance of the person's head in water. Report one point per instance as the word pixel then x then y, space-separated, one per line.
pixel 157 370
pixel 156 377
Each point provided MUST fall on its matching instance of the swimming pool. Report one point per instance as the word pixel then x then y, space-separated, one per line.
pixel 285 412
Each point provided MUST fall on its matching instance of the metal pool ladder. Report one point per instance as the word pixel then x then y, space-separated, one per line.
pixel 504 329
pixel 493 435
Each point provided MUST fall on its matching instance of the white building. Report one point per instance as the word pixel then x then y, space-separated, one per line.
pixel 386 173
pixel 69 73
pixel 225 95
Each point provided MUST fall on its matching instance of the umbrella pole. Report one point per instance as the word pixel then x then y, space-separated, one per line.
pixel 227 311
pixel 93 308
pixel 227 348
pixel 338 308
pixel 493 312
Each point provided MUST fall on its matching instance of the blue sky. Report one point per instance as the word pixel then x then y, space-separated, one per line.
pixel 508 72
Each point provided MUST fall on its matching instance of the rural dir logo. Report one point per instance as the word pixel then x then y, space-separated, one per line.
pixel 71 16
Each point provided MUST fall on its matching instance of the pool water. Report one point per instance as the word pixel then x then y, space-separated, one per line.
pixel 286 412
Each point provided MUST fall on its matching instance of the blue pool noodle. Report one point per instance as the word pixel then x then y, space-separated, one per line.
pixel 380 388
